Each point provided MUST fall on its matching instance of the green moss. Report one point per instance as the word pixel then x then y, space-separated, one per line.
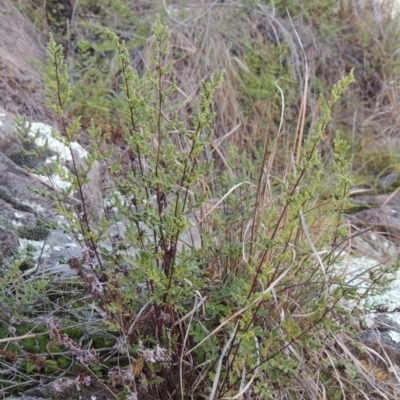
pixel 36 345
pixel 25 160
pixel 27 264
pixel 63 362
pixel 5 223
pixel 26 256
pixel 52 367
pixel 36 233
pixel 74 333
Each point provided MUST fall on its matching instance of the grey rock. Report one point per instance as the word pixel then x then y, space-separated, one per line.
pixel 380 215
pixel 385 219
pixel 23 397
pixel 383 344
pixel 384 322
pixel 27 218
pixel 9 141
pixel 8 244
pixel 389 180
pixel 68 389
pixel 8 212
pixel 55 252
pixel 376 201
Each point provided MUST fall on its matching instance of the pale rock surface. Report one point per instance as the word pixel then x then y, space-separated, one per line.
pixel 380 330
pixel 379 248
pixel 65 389
pixel 22 211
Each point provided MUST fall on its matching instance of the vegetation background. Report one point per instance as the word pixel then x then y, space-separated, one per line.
pixel 273 325
pixel 257 44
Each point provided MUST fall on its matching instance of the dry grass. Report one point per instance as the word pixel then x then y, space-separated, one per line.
pixel 208 36
pixel 21 52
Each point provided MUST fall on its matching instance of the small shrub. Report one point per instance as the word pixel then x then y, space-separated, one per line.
pixel 209 284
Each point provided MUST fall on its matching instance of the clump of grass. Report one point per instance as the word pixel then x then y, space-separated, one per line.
pixel 216 284
pixel 239 37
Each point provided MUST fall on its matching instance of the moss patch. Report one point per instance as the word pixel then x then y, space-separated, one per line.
pixel 37 232
pixel 24 160
pixel 5 195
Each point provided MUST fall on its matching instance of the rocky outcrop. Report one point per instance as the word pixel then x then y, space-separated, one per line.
pixel 381 334
pixel 25 398
pixel 28 220
pixel 375 222
pixel 378 229
pixel 381 213
pixel 66 389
